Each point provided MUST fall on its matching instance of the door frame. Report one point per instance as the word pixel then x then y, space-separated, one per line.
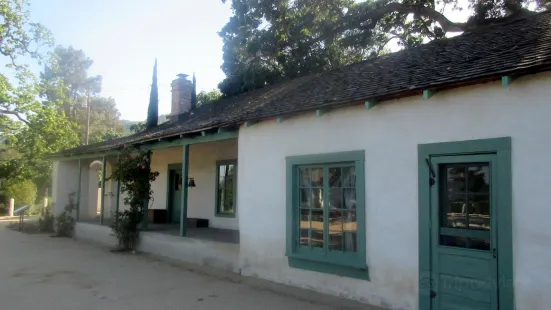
pixel 501 147
pixel 169 169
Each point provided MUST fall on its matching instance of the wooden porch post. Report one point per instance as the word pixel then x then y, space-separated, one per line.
pixel 102 197
pixel 183 214
pixel 79 189
pixel 145 218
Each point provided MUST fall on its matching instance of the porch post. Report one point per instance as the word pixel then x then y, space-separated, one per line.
pixel 79 189
pixel 145 207
pixel 183 214
pixel 102 201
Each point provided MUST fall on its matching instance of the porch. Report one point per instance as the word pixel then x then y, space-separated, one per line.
pixel 192 215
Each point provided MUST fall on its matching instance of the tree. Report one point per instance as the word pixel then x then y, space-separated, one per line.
pixel 23 192
pixel 208 96
pixel 153 108
pixel 266 41
pixel 65 79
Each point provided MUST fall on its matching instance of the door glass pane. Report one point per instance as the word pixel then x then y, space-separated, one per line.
pixel 465 203
pixel 305 218
pixel 226 185
pixel 317 220
pixel 350 242
pixel 335 220
pixel 335 177
pixel 349 177
pixel 317 198
pixel 304 238
pixel 316 177
pixel 335 241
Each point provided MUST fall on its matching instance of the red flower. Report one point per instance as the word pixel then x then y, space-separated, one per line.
pixel 143 166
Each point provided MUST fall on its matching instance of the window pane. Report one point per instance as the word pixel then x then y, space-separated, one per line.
pixel 335 198
pixel 317 198
pixel 335 177
pixel 335 241
pixel 304 218
pixel 335 220
pixel 304 177
pixel 304 238
pixel 349 176
pixel 455 212
pixel 317 238
pixel 479 212
pixel 316 177
pixel 305 197
pixel 349 198
pixel 455 177
pixel 317 220
pixel 350 242
pixel 226 185
pixel 478 178
pixel 349 221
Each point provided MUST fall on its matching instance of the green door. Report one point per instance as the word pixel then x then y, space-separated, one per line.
pixel 175 197
pixel 464 232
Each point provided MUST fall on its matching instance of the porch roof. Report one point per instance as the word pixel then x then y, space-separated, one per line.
pixel 519 47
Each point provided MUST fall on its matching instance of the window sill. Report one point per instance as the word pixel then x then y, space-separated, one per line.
pixel 334 269
pixel 228 215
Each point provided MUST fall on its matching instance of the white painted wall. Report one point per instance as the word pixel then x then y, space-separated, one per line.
pixel 64 182
pixel 389 134
pixel 202 167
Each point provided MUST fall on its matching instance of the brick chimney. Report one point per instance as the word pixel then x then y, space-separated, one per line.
pixel 182 97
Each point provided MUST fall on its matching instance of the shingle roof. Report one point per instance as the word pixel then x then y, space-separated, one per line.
pixel 520 47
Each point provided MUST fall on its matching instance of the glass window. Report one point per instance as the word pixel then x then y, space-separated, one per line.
pixel 226 188
pixel 327 210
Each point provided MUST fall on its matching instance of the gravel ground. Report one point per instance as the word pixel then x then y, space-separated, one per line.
pixel 40 272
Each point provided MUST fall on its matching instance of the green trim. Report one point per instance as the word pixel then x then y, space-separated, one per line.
pixel 320 112
pixel 249 123
pixel 506 81
pixel 357 260
pixel 217 202
pixel 428 93
pixel 369 104
pixel 79 189
pixel 188 141
pixel 102 198
pixel 185 168
pixel 502 148
pixel 344 271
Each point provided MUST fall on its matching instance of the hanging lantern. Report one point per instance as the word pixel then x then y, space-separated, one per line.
pixel 191 182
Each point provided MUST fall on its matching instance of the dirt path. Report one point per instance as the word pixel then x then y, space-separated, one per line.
pixel 39 272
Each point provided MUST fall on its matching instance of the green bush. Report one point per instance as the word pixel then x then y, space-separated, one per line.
pixel 23 191
pixel 3 210
pixel 46 221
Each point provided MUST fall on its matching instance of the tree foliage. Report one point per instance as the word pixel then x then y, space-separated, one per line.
pixel 65 79
pixel 208 96
pixel 266 41
pixel 23 192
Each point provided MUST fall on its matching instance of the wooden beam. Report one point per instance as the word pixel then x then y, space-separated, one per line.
pixel 320 112
pixel 506 81
pixel 427 93
pixel 369 104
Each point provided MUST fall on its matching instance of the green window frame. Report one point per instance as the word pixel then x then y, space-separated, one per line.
pixel 221 210
pixel 304 220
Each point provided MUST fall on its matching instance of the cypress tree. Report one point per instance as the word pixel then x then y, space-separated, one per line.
pixel 153 109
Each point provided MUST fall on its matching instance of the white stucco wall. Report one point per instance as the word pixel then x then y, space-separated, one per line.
pixel 64 182
pixel 202 167
pixel 389 134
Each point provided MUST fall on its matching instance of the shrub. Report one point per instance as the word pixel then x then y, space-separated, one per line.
pixel 65 222
pixel 23 191
pixel 134 173
pixel 46 221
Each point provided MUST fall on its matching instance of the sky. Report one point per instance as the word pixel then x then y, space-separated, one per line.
pixel 124 37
